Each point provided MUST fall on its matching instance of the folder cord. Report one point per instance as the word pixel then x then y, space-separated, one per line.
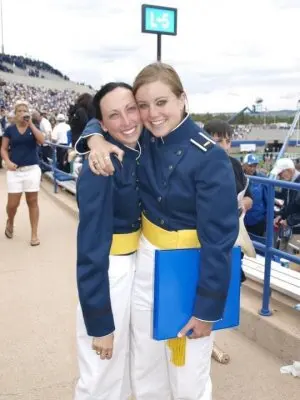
pixel 178 350
pixel 183 239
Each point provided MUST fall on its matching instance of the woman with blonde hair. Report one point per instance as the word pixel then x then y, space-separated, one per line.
pixel 19 151
pixel 187 190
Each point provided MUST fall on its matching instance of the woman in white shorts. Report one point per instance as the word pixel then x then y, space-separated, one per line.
pixel 19 151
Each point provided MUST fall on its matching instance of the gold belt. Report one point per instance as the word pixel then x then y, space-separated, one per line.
pixel 159 237
pixel 125 243
pixel 182 239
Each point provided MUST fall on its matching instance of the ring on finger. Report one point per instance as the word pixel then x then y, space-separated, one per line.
pixel 106 158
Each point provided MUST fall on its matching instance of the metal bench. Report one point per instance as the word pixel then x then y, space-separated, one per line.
pixel 283 279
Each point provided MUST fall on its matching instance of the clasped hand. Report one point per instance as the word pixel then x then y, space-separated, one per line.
pixel 99 157
pixel 103 346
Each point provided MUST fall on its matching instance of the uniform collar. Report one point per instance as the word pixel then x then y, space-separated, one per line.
pixel 129 152
pixel 178 135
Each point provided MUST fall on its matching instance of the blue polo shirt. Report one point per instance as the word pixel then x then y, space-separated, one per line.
pixel 23 147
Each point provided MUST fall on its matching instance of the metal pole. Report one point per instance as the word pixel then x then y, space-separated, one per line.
pixel 265 311
pixel 2 36
pixel 287 138
pixel 54 166
pixel 158 47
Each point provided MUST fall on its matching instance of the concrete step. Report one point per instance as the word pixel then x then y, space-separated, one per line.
pixel 278 333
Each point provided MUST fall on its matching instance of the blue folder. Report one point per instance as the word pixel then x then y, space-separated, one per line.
pixel 175 284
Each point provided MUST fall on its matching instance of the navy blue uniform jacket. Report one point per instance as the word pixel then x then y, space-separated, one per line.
pixel 187 182
pixel 107 205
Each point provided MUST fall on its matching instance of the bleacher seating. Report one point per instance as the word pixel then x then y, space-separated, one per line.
pixel 283 280
pixel 33 67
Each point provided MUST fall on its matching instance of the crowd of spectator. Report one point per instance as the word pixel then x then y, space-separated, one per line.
pixel 51 101
pixel 33 67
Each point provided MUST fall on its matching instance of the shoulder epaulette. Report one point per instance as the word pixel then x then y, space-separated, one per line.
pixel 203 142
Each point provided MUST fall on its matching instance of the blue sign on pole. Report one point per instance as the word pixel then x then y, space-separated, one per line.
pixel 159 20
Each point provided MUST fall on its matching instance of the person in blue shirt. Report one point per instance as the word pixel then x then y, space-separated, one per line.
pixel 187 189
pixel 108 236
pixel 256 217
pixel 19 151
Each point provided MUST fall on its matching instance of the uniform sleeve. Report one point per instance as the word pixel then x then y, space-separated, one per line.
pixel 217 226
pixel 93 127
pixel 94 238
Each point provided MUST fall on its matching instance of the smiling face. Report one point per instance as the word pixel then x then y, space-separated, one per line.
pixel 161 110
pixel 120 116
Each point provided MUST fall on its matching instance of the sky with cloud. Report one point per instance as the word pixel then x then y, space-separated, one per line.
pixel 227 52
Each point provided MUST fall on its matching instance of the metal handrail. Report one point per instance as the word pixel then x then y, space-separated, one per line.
pixel 53 165
pixel 268 248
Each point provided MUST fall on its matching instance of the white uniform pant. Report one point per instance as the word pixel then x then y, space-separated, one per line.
pixel 108 379
pixel 153 376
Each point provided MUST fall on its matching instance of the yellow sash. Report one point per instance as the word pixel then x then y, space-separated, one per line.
pixel 125 243
pixel 166 240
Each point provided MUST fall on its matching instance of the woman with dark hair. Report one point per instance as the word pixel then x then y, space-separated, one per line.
pixel 79 114
pixel 108 235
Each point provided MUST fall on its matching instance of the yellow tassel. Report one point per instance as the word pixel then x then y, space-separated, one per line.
pixel 177 347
